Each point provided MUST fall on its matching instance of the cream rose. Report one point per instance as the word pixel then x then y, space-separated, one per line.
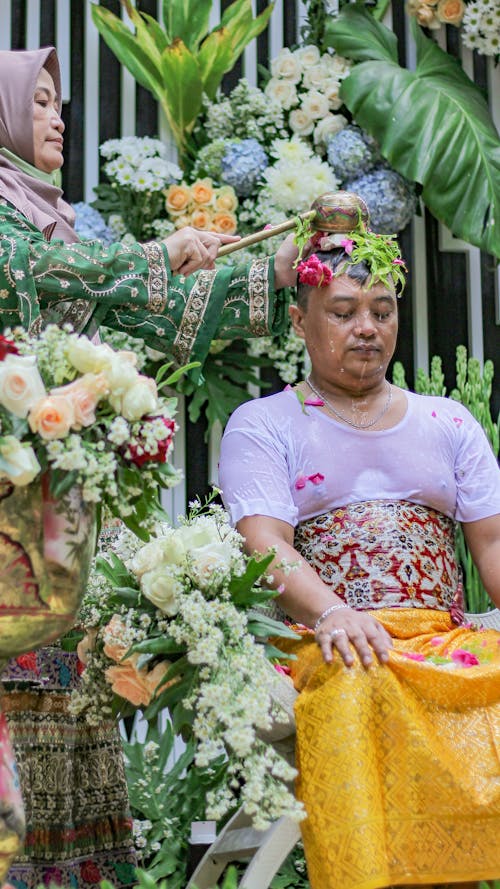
pixel 21 385
pixel 205 560
pixel 286 65
pixel 451 11
pixel 162 588
pixel 140 399
pixel 308 56
pixel 202 191
pixel 301 122
pixel 281 91
pixel 150 555
pixel 84 394
pixel 332 94
pixel 52 417
pixel 338 68
pixel 87 357
pixel 178 198
pixel 18 462
pixel 315 104
pixel 225 199
pixel 316 77
pixel 328 127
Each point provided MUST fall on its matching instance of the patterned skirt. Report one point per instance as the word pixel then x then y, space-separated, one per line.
pixel 78 826
pixel 399 764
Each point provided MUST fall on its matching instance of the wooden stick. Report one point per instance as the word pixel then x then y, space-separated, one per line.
pixel 265 233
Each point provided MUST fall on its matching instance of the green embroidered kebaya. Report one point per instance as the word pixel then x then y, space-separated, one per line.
pixel 131 289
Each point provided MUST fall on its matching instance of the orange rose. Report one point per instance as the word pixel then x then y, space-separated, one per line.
pixel 52 417
pixel 427 18
pixel 225 199
pixel 178 197
pixel 155 676
pixel 202 191
pixel 84 394
pixel 451 11
pixel 114 647
pixel 225 223
pixel 128 682
pixel 201 219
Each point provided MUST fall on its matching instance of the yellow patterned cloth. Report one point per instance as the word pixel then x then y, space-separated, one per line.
pixel 399 765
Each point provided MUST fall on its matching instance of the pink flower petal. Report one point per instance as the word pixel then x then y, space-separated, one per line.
pixel 413 655
pixel 301 482
pixel 458 420
pixel 437 640
pixel 433 414
pixel 313 401
pixel 280 668
pixel 464 658
pixel 288 388
pixel 280 588
pixel 316 478
pixel 348 245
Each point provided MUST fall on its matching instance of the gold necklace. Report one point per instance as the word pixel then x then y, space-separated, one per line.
pixel 346 419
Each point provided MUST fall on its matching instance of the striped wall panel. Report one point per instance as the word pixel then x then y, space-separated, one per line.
pixel 453 293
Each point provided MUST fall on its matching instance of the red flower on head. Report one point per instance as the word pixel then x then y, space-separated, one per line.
pixel 7 347
pixel 314 272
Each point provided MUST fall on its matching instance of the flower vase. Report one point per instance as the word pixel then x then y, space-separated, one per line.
pixel 46 549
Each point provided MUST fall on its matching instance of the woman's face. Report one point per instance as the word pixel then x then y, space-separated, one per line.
pixel 47 125
pixel 350 332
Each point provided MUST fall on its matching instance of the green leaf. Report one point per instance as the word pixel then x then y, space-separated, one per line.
pixel 263 626
pixel 239 587
pixel 177 374
pixel 214 58
pixel 239 22
pixel 433 125
pixel 182 86
pixel 158 645
pixel 126 48
pixel 187 19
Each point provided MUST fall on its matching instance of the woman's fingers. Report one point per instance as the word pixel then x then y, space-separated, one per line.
pixel 190 249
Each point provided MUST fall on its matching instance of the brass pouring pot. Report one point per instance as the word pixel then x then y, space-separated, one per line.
pixel 46 549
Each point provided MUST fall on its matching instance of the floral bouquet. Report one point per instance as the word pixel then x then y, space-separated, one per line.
pixel 173 624
pixel 81 414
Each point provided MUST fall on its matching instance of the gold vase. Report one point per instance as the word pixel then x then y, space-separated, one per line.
pixel 46 549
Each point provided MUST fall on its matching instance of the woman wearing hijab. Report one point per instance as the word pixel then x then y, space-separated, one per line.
pixel 78 828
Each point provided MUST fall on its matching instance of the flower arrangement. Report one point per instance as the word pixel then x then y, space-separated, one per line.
pixel 172 624
pixel 132 201
pixel 84 412
pixel 479 19
pixel 203 206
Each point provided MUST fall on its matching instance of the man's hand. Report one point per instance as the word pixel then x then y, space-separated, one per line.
pixel 190 249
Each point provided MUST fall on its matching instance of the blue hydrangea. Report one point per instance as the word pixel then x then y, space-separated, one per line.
pixel 242 166
pixel 90 225
pixel 352 153
pixel 390 198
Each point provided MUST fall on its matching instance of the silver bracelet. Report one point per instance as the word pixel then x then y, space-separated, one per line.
pixel 325 614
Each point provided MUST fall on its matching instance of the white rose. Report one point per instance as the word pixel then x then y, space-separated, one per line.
pixel 17 461
pixel 337 66
pixel 329 126
pixel 286 65
pixel 21 385
pixel 281 91
pixel 88 357
pixel 301 122
pixel 207 559
pixel 149 556
pixel 203 532
pixel 331 91
pixel 162 588
pixel 315 104
pixel 120 371
pixel 315 77
pixel 307 55
pixel 138 401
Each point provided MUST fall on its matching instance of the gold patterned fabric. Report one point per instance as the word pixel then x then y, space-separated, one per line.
pixel 399 764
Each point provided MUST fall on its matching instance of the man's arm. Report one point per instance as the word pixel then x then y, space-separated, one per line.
pixel 483 540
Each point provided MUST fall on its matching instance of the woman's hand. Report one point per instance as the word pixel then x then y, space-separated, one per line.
pixel 190 249
pixel 285 275
pixel 347 628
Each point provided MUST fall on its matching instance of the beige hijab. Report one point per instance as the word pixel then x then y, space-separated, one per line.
pixel 30 191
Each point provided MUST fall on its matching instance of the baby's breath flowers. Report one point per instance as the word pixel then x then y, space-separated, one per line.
pixel 171 625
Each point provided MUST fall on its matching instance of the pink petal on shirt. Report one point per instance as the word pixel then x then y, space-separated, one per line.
pixel 458 420
pixel 301 482
pixel 433 414
pixel 312 401
pixel 287 388
pixel 316 478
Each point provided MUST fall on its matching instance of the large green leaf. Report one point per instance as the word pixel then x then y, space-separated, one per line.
pixel 126 48
pixel 240 24
pixel 433 124
pixel 182 87
pixel 214 59
pixel 187 19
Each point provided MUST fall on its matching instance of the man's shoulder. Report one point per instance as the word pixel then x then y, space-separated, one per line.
pixel 267 410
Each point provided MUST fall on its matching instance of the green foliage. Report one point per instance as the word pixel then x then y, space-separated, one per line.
pixel 473 389
pixel 432 124
pixel 181 61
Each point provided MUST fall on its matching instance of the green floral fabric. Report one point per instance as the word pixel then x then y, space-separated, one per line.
pixel 131 289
